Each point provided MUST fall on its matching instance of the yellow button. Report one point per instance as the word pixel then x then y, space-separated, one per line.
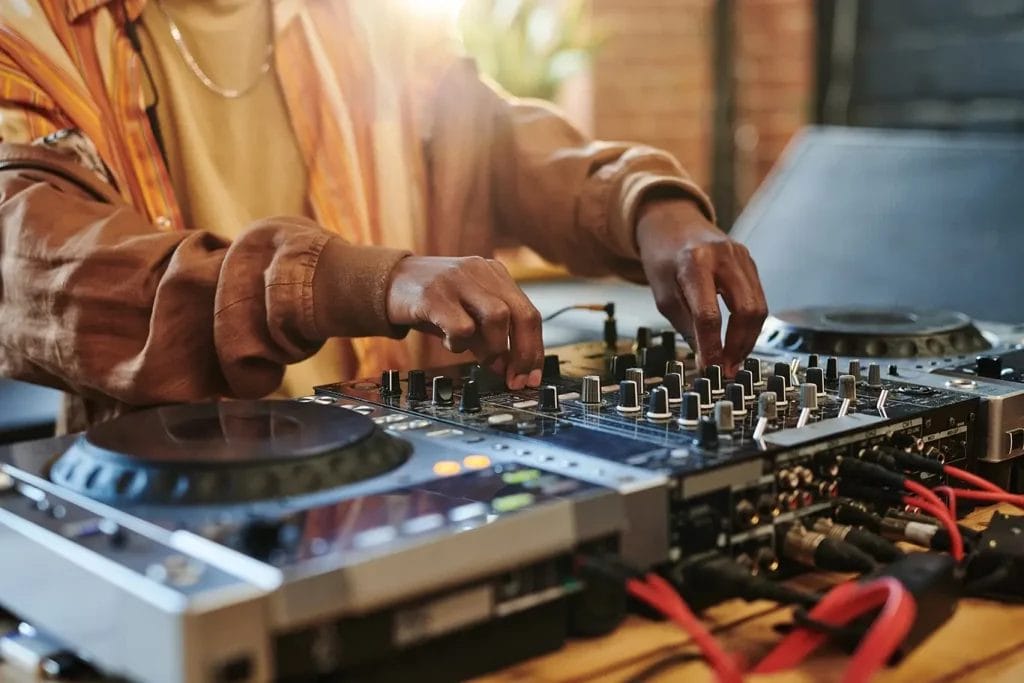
pixel 476 462
pixel 511 503
pixel 446 468
pixel 519 476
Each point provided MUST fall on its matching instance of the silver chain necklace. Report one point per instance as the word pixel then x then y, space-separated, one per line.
pixel 193 65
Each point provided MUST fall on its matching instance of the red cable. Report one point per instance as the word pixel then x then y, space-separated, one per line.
pixel 660 595
pixel 841 605
pixel 950 494
pixel 988 496
pixel 972 479
pixel 923 491
pixel 940 513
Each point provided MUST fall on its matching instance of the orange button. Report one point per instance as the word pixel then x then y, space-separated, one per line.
pixel 476 462
pixel 446 468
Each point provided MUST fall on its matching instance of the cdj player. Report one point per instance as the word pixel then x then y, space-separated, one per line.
pixel 391 525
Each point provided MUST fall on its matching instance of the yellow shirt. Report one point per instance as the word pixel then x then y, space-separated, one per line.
pixel 232 160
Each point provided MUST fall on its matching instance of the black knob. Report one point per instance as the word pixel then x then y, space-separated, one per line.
pixel 812 360
pixel 668 344
pixel 591 391
pixel 470 401
pixel 611 333
pixel 735 395
pixel 894 370
pixel 782 370
pixel 552 368
pixel 643 337
pixel 707 434
pixel 636 375
pixel 549 399
pixel 854 369
pixel 657 404
pixel 777 385
pixel 702 385
pixel 690 414
pixel 443 391
pixel 832 369
pixel 989 366
pixel 417 385
pixel 391 383
pixel 673 383
pixel 816 377
pixel 714 373
pixel 260 537
pixel 675 366
pixel 629 397
pixel 621 363
pixel 745 378
pixel 753 366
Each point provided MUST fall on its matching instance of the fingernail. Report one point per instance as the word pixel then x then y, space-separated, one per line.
pixel 517 382
pixel 534 378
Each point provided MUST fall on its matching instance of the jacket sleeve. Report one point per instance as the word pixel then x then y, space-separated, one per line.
pixel 96 301
pixel 572 199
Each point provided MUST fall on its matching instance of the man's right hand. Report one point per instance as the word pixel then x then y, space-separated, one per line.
pixel 475 305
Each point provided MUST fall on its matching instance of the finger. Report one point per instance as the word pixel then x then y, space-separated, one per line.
pixel 526 341
pixel 492 318
pixel 700 294
pixel 452 322
pixel 746 305
pixel 669 301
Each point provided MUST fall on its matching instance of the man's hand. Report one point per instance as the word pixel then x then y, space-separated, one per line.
pixel 475 305
pixel 689 262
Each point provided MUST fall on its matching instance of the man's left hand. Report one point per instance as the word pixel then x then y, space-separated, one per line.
pixel 689 262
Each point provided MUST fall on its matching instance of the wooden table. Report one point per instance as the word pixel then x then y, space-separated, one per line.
pixel 983 642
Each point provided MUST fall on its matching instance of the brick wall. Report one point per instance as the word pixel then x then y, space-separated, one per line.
pixel 653 80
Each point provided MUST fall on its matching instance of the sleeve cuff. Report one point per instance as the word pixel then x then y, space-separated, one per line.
pixel 639 186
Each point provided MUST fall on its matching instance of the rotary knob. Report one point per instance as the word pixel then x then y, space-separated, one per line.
pixel 675 366
pixel 735 395
pixel 816 376
pixel 832 369
pixel 657 404
pixel 391 383
pixel 552 368
pixel 707 434
pixel 470 401
pixel 854 369
pixel 689 415
pixel 591 391
pixel 417 385
pixel 714 374
pixel 989 366
pixel 724 421
pixel 812 360
pixel 668 343
pixel 753 366
pixel 782 370
pixel 673 383
pixel 629 397
pixel 610 333
pixel 636 375
pixel 643 337
pixel 848 388
pixel 549 399
pixel 767 407
pixel 808 397
pixel 443 391
pixel 702 386
pixel 777 386
pixel 620 364
pixel 874 375
pixel 745 378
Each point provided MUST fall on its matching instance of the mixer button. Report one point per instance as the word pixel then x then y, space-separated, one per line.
pixel 375 536
pixel 464 513
pixel 529 403
pixel 500 419
pixel 422 524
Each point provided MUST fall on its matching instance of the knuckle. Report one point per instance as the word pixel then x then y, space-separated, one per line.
pixel 460 329
pixel 707 316
pixel 495 314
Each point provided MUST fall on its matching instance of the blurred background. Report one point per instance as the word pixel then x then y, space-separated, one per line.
pixel 725 85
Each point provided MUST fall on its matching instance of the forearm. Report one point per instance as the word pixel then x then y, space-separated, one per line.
pixel 95 301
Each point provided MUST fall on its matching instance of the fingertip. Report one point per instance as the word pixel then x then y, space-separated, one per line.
pixel 534 378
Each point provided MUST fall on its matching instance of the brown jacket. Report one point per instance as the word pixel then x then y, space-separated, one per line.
pixel 98 298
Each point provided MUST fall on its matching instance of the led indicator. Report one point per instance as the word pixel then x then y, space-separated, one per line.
pixel 476 462
pixel 447 468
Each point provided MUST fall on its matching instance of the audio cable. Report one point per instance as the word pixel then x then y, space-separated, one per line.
pixel 608 309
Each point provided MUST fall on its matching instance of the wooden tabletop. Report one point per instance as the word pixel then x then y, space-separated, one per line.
pixel 984 641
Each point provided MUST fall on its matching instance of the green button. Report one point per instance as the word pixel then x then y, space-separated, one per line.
pixel 516 501
pixel 519 476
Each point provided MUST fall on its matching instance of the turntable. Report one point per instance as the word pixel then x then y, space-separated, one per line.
pixel 250 540
pixel 933 348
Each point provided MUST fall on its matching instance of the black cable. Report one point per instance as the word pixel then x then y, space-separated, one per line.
pixel 608 309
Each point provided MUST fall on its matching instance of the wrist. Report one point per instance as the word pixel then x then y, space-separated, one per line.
pixel 661 216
